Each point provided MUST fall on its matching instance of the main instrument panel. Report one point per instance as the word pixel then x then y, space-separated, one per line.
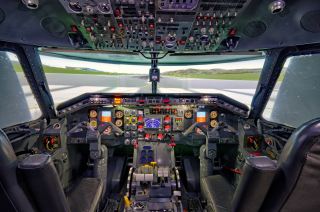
pixel 152 25
pixel 134 118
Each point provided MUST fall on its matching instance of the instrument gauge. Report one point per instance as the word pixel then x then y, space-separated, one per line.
pixel 119 114
pixel 127 112
pixel 93 114
pixel 93 123
pixel 213 114
pixel 119 123
pixel 213 123
pixel 188 114
pixel 133 120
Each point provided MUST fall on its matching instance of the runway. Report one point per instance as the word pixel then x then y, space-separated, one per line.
pixel 66 86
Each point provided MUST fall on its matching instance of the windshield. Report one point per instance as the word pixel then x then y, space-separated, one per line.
pixel 69 78
pixel 294 99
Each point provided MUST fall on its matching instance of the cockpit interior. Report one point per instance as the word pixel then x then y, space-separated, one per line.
pixel 159 105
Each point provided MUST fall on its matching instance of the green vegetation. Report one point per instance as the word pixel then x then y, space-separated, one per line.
pixel 225 76
pixel 220 74
pixel 69 70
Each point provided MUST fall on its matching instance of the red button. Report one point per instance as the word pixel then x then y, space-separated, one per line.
pixel 140 119
pixel 147 137
pixel 160 136
pixel 74 28
pixel 167 128
pixel 117 12
pixel 112 29
pixel 167 119
pixel 140 128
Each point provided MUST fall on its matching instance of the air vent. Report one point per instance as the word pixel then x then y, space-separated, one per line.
pixel 54 26
pixel 255 29
pixel 310 21
pixel 2 16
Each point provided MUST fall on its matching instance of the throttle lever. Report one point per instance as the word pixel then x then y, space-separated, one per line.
pixel 81 127
pixel 116 129
pixel 192 127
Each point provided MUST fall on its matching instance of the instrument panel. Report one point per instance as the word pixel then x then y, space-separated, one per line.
pixel 153 118
pixel 152 25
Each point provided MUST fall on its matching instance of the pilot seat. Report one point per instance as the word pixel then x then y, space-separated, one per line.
pixel 267 185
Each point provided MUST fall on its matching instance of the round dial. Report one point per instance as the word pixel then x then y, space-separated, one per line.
pixel 188 114
pixel 133 120
pixel 119 114
pixel 119 123
pixel 213 123
pixel 93 123
pixel 213 114
pixel 93 114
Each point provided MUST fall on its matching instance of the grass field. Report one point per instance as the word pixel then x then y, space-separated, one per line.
pixel 222 76
pixel 219 75
pixel 197 74
pixel 50 69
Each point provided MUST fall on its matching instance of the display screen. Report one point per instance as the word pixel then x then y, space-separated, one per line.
pixel 152 123
pixel 105 116
pixel 201 117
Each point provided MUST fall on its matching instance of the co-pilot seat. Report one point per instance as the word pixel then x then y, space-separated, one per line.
pixel 292 184
pixel 34 185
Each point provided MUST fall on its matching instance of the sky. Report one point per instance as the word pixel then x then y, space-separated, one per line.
pixel 140 69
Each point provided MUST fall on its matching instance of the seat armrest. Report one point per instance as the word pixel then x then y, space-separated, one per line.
pixel 258 174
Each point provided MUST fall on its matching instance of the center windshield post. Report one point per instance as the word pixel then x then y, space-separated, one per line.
pixel 154 72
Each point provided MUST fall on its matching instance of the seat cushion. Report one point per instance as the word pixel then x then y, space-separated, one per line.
pixel 218 192
pixel 86 195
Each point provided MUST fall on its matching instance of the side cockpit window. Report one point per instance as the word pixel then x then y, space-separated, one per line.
pixel 18 104
pixel 295 98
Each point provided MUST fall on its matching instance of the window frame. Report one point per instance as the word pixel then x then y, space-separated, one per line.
pixel 285 54
pixel 30 63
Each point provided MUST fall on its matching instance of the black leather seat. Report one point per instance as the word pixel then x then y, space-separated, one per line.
pixel 293 184
pixel 12 195
pixel 43 182
pixel 296 187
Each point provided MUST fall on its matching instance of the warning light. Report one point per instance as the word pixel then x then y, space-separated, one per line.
pixel 112 29
pixel 232 32
pixel 147 137
pixel 182 42
pixel 117 101
pixel 140 119
pixel 74 28
pixel 89 29
pixel 117 13
pixel 160 136
pixel 201 117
